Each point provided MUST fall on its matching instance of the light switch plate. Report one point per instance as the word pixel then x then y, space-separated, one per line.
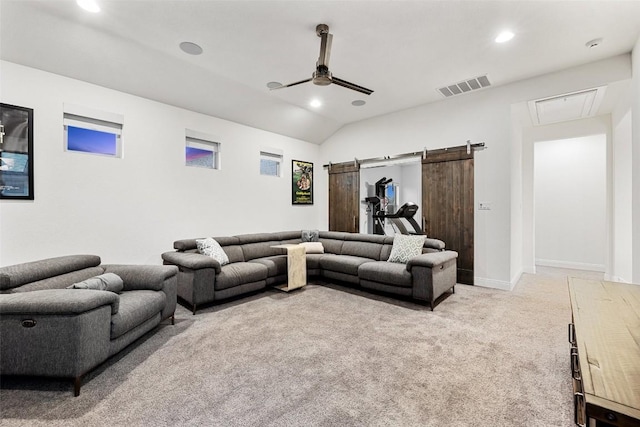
pixel 484 206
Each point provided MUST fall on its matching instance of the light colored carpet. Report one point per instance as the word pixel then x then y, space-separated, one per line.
pixel 328 355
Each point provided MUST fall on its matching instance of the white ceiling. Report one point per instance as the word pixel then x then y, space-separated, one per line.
pixel 403 50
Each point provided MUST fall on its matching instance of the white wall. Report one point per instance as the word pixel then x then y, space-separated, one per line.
pixel 483 116
pixel 635 124
pixel 570 187
pixel 130 210
pixel 622 175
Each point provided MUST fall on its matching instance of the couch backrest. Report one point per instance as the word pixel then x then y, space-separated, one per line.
pixel 51 273
pixel 245 247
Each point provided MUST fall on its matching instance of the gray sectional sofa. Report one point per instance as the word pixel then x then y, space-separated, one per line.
pixel 50 330
pixel 358 259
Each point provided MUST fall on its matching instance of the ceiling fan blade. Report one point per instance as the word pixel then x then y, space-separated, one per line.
pixel 350 85
pixel 325 49
pixel 292 84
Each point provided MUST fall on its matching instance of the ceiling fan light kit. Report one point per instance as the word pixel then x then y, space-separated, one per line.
pixel 322 76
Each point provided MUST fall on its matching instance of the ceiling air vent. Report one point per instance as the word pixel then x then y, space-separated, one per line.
pixel 465 86
pixel 565 107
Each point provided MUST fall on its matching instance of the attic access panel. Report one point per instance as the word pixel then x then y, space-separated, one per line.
pixel 569 106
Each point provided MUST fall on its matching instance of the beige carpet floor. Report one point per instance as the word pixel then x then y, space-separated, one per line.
pixel 328 355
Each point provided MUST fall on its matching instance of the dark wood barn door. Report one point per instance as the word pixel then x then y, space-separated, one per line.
pixel 344 197
pixel 447 203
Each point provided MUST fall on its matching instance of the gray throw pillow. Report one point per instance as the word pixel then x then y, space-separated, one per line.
pixel 310 236
pixel 406 247
pixel 105 282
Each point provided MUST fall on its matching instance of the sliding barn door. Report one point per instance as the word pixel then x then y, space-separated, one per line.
pixel 447 203
pixel 344 197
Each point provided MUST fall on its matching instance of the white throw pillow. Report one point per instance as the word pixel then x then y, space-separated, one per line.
pixel 406 247
pixel 213 249
pixel 313 247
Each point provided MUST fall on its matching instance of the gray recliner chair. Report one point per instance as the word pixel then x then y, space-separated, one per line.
pixel 49 329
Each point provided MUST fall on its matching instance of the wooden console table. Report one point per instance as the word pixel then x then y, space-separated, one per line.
pixel 605 352
pixel 296 267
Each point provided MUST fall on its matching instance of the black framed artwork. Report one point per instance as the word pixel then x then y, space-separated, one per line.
pixel 16 152
pixel 301 183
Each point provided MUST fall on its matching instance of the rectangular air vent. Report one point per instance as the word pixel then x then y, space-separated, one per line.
pixel 465 86
pixel 565 107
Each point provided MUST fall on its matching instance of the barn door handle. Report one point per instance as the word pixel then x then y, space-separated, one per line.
pixel 424 223
pixel 355 227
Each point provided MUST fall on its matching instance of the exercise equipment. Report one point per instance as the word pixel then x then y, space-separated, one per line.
pixel 402 220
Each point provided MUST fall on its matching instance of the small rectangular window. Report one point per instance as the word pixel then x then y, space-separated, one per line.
pixel 201 151
pixel 270 163
pixel 90 131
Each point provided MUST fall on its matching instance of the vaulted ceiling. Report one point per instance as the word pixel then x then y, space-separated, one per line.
pixel 403 50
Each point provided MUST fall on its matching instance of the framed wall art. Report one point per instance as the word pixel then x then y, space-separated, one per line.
pixel 302 183
pixel 16 152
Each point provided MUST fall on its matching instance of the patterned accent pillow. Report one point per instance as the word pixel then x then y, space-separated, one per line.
pixel 406 247
pixel 210 247
pixel 310 236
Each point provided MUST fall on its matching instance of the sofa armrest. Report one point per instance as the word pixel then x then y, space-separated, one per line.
pixel 142 277
pixel 431 260
pixel 191 260
pixel 150 277
pixel 57 301
pixel 434 244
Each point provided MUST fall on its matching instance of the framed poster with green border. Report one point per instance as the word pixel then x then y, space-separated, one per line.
pixel 301 183
pixel 16 152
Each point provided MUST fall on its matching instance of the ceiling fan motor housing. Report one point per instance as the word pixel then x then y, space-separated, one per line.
pixel 322 76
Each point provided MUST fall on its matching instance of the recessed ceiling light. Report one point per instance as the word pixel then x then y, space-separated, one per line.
pixel 593 43
pixel 89 5
pixel 315 103
pixel 504 36
pixel 358 103
pixel 190 48
pixel 274 85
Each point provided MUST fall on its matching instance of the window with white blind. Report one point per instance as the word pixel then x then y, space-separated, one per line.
pixel 270 163
pixel 91 131
pixel 201 150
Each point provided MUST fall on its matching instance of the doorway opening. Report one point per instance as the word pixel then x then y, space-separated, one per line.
pixel 570 203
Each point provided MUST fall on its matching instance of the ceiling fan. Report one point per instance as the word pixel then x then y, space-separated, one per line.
pixel 322 76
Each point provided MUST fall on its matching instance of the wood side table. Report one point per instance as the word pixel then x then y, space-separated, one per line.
pixel 605 352
pixel 296 267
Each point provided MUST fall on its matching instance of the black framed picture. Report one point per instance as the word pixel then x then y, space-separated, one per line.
pixel 16 152
pixel 301 183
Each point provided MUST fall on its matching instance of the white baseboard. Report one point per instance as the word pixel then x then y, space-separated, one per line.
pixel 491 283
pixel 568 264
pixel 516 278
pixel 615 279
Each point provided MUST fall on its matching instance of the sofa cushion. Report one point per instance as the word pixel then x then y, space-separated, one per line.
pixel 105 282
pixel 332 246
pixel 135 308
pixel 347 264
pixel 59 282
pixel 406 247
pixel 276 265
pixel 362 249
pixel 210 247
pixel 260 250
pixel 16 275
pixel 386 272
pixel 313 260
pixel 239 273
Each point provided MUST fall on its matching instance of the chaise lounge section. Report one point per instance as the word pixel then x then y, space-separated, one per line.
pixel 62 317
pixel 354 258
